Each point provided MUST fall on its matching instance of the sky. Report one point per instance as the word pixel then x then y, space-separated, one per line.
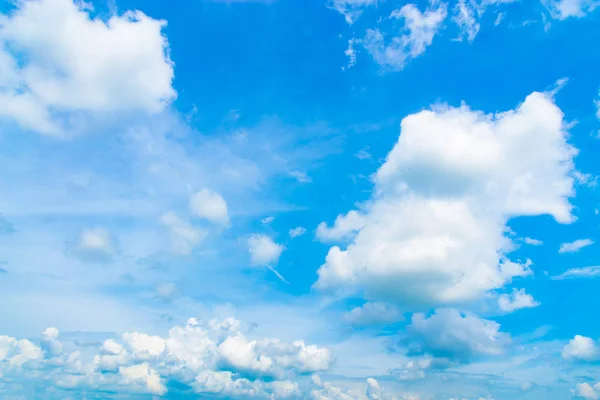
pixel 299 199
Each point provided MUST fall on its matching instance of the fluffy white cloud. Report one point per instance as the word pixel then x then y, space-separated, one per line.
pixel 575 246
pixel 94 245
pixel 574 273
pixel 144 375
pixel 373 313
pixel 563 9
pixel 344 227
pixel 51 69
pixel 351 9
pixel 272 357
pixel 451 335
pixel 263 250
pixel 581 348
pixel 18 352
pixel 516 300
pixel 438 214
pixel 416 35
pixel 184 237
pixel 210 205
pixel 297 232
pixel 588 391
pixel 214 358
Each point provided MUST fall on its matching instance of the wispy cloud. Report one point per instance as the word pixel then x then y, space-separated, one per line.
pixel 575 246
pixel 579 273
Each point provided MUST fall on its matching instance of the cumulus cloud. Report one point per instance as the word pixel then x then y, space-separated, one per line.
pixel 210 205
pixel 575 246
pixel 454 336
pixel 416 35
pixel 215 358
pixel 373 313
pixel 588 391
pixel 563 9
pixel 581 348
pixel 184 237
pixel 263 250
pixel 344 227
pixel 442 199
pixel 49 68
pixel 516 300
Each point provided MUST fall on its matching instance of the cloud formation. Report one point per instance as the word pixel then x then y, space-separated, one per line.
pixel 438 213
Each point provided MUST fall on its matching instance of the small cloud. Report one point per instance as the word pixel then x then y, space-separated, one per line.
pixel 210 205
pixel 517 300
pixel 363 154
pixel 184 237
pixel 94 245
pixel 373 314
pixel 297 232
pixel 575 246
pixel 300 176
pixel 581 273
pixel 532 242
pixel 267 220
pixel 263 250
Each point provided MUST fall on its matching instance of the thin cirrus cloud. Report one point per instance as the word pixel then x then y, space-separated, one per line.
pixel 574 247
pixel 579 273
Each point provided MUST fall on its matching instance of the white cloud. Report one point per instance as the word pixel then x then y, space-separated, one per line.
pixel 373 314
pixel 267 220
pixel 210 205
pixel 351 53
pixel 143 374
pixel 574 273
pixel 18 352
pixel 53 70
pixel 192 354
pixel 94 244
pixel 351 9
pixel 467 14
pixel 297 232
pixel 533 242
pixel 344 227
pixel 450 335
pixel 441 201
pixel 417 34
pixel 588 391
pixel 516 300
pixel 575 246
pixel 563 9
pixel 184 237
pixel 301 176
pixel 263 250
pixel 581 348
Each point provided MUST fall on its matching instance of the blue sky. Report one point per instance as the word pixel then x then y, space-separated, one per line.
pixel 329 199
